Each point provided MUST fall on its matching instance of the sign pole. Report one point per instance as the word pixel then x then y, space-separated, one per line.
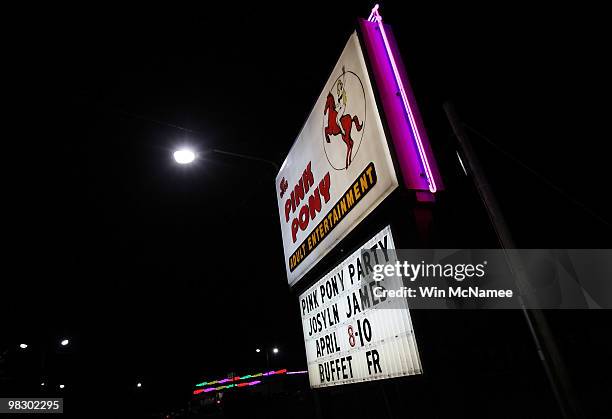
pixel 543 339
pixel 317 403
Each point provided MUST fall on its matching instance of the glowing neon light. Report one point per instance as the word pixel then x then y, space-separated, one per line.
pixel 375 17
pixel 296 372
pixel 244 377
pixel 209 389
pixel 374 11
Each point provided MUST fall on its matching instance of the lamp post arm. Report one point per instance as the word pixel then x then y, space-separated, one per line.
pixel 245 156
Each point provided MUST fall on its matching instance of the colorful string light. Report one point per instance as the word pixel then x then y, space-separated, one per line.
pixel 209 389
pixel 244 377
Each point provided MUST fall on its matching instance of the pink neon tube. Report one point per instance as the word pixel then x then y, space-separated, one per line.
pixel 376 17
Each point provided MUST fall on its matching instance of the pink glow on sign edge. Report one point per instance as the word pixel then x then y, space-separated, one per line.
pixel 375 17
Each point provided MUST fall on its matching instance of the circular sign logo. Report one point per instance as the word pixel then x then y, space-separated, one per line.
pixel 344 118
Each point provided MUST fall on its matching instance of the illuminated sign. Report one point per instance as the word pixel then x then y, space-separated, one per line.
pixel 351 334
pixel 321 189
pixel 339 168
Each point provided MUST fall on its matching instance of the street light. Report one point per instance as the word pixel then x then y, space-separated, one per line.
pixel 65 342
pixel 184 156
pixel 61 386
pixel 188 156
pixel 138 385
pixel 267 351
pixel 23 345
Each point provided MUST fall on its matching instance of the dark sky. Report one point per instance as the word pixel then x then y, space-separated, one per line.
pixel 167 274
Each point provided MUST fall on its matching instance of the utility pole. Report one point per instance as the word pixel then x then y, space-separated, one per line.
pixel 543 339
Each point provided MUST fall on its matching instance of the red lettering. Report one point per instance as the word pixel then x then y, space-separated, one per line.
pixel 287 209
pixel 310 209
pixel 304 217
pixel 314 203
pixel 293 200
pixel 294 228
pixel 299 192
pixel 308 178
pixel 324 187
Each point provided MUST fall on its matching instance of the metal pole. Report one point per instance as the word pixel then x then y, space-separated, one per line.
pixel 317 404
pixel 383 392
pixel 269 394
pixel 538 325
pixel 245 156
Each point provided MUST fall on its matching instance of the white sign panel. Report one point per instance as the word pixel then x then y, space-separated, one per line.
pixel 339 168
pixel 352 335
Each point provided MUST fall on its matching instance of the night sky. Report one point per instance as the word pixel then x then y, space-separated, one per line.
pixel 165 274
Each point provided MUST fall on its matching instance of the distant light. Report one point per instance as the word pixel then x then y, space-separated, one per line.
pixel 65 342
pixel 258 350
pixel 184 156
pixel 61 386
pixel 275 350
pixel 139 385
pixel 23 345
pixel 42 384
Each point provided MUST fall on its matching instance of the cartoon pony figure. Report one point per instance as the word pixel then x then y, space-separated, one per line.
pixel 338 122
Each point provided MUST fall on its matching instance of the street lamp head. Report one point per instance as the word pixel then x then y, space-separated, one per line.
pixel 138 385
pixel 23 345
pixel 65 342
pixel 184 156
pixel 61 386
pixel 258 350
pixel 275 350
